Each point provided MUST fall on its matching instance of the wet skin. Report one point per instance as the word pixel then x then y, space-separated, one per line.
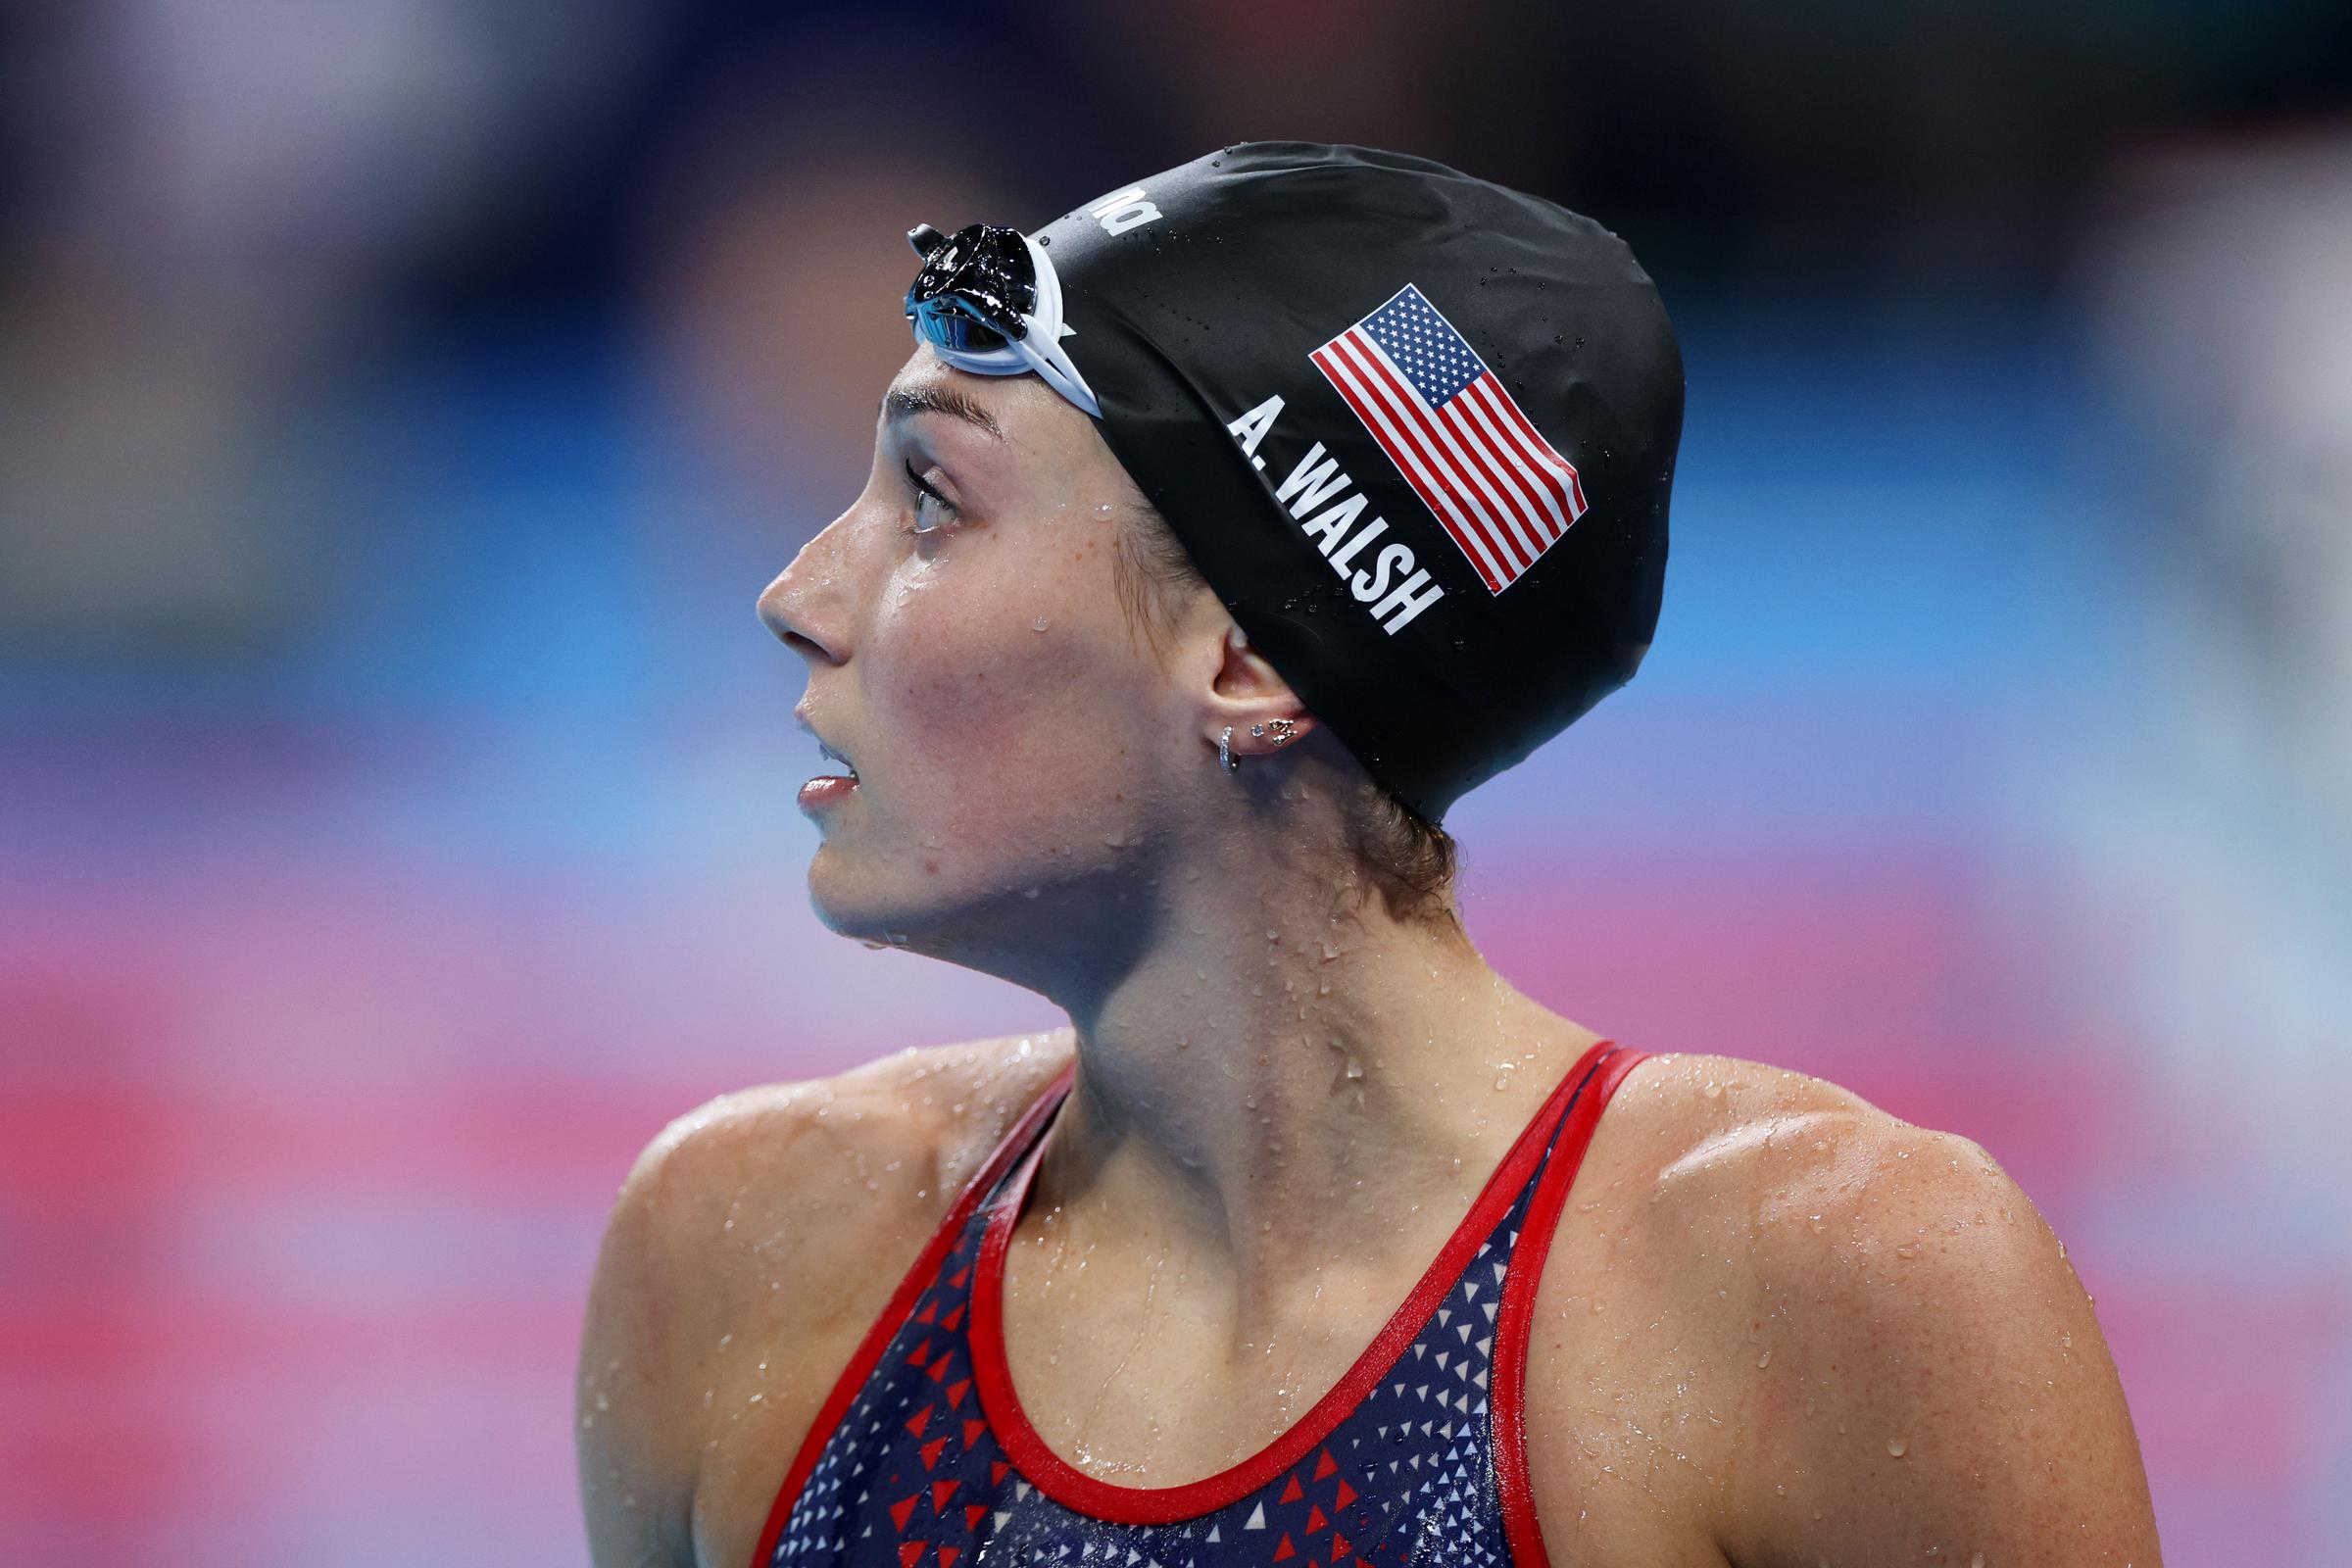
pixel 1776 1325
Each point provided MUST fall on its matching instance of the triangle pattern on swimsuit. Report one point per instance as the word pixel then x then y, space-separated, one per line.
pixel 923 1455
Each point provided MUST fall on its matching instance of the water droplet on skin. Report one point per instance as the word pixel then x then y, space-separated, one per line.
pixel 1815 1221
pixel 1908 1249
pixel 1764 1361
pixel 1899 1447
pixel 1356 1069
pixel 1039 624
pixel 1713 1091
pixel 1502 1080
pixel 1977 1561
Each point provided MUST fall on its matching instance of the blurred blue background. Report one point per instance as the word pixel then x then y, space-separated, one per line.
pixel 402 402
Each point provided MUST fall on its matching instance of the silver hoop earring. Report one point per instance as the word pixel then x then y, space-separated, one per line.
pixel 1225 752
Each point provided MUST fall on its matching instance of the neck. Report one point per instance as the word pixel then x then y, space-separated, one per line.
pixel 1259 1067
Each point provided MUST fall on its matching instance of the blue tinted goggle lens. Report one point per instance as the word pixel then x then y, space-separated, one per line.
pixel 949 322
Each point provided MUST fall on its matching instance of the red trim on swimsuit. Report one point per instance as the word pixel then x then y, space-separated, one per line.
pixel 1509 1405
pixel 1515 1194
pixel 1104 1499
pixel 902 1301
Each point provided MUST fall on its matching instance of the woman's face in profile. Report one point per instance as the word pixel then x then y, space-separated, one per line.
pixel 1014 739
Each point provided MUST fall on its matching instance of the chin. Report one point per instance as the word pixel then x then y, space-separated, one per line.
pixel 999 926
pixel 865 908
pixel 841 907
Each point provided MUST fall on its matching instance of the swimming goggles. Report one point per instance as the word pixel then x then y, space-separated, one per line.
pixel 987 301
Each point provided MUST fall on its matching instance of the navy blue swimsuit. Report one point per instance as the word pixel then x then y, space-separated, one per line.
pixel 923 1456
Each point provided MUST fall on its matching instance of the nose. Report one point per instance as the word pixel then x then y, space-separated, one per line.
pixel 804 607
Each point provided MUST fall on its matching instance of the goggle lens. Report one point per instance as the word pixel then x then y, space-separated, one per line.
pixel 948 321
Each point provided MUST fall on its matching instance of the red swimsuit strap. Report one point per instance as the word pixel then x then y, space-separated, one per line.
pixel 1512 1474
pixel 1009 1148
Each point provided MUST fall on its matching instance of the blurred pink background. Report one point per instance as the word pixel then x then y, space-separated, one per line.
pixel 402 404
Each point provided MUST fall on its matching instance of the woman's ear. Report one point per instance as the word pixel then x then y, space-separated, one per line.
pixel 1251 697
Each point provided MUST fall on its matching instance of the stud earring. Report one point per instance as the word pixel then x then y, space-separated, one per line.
pixel 1284 730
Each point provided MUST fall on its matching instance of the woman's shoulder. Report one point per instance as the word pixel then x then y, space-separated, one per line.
pixel 1788 1159
pixel 792 1203
pixel 1878 1296
pixel 1696 1133
pixel 901 1132
pixel 750 1246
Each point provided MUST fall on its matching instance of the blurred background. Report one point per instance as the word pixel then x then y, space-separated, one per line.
pixel 402 402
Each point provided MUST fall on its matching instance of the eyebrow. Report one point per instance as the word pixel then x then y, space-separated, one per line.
pixel 901 403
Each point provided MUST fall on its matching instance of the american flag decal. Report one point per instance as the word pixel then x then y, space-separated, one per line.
pixel 1500 490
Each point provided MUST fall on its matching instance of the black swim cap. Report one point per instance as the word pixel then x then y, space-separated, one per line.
pixel 1416 430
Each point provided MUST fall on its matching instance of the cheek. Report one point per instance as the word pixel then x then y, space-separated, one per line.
pixel 1007 729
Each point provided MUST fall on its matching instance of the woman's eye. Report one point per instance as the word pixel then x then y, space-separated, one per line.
pixel 943 507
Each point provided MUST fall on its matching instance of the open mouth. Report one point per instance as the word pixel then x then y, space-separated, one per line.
pixel 849 768
pixel 826 788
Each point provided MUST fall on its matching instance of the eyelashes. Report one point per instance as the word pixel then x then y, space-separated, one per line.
pixel 926 492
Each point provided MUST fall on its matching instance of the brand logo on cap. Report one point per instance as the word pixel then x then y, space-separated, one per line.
pixel 1502 493
pixel 1124 210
